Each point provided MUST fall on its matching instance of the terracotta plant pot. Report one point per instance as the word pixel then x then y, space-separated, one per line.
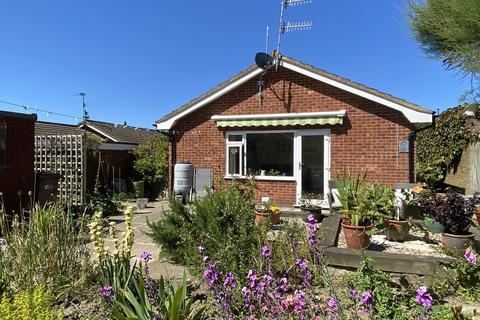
pixel 396 230
pixel 316 213
pixel 356 237
pixel 275 218
pixel 456 242
pixel 477 214
pixel 262 217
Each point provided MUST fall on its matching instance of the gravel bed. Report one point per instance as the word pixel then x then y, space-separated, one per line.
pixel 416 243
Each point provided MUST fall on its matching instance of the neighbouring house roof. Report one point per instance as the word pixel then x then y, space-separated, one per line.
pixel 32 116
pixel 413 112
pixel 110 132
pixel 43 128
pixel 119 133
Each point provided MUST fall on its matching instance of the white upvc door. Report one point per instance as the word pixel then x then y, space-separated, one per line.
pixel 312 162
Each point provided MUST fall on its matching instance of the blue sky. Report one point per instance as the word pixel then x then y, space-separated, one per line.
pixel 138 60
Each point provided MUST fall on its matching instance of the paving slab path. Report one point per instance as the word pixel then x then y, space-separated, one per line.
pixel 153 212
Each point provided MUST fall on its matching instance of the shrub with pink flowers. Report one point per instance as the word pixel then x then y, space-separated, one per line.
pixel 467 275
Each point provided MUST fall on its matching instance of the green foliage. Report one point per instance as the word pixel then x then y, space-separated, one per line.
pixel 29 305
pixel 222 222
pixel 388 304
pixel 152 159
pixel 439 147
pixel 104 202
pixel 172 302
pixel 289 244
pixel 350 191
pixel 449 31
pixel 172 233
pixel 48 247
pixel 467 278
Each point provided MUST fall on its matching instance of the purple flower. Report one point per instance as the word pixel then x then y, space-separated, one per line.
pixel 424 298
pixel 252 278
pixel 265 251
pixel 332 307
pixel 470 256
pixel 353 294
pixel 108 292
pixel 312 231
pixel 366 302
pixel 211 275
pixel 302 264
pixel 229 281
pixel 299 301
pixel 311 219
pixel 146 256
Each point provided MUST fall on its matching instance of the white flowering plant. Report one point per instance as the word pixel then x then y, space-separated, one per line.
pixel 113 264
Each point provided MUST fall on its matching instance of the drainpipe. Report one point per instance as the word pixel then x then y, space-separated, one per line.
pixel 173 153
pixel 412 137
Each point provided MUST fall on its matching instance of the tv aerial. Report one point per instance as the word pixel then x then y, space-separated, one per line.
pixel 265 61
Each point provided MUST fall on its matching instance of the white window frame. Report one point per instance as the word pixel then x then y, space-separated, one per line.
pixel 244 155
pixel 239 144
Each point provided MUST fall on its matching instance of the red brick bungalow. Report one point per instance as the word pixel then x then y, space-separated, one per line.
pixel 305 127
pixel 16 158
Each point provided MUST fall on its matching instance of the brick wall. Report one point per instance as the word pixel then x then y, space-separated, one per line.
pixel 367 140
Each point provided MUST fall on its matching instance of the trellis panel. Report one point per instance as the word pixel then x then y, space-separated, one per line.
pixel 64 155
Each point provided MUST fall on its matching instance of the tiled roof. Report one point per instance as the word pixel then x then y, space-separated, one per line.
pixel 43 128
pixel 305 66
pixel 120 133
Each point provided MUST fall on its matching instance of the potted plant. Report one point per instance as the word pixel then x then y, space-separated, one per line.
pixel 396 226
pixel 356 220
pixel 310 205
pixel 268 212
pixel 454 212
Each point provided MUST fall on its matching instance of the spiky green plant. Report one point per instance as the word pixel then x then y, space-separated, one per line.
pixel 47 246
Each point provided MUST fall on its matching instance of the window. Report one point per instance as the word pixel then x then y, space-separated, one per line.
pixel 266 154
pixel 3 142
pixel 235 154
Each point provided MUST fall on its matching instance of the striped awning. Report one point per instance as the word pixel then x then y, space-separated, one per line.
pixel 280 119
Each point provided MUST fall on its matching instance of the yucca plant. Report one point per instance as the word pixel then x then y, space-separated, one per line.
pixel 351 190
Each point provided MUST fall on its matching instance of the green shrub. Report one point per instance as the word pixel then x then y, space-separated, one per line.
pixel 222 222
pixel 105 203
pixel 172 233
pixel 152 159
pixel 46 247
pixel 29 305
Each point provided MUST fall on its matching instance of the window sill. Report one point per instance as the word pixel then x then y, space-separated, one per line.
pixel 262 178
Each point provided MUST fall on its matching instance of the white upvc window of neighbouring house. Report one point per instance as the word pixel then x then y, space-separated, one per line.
pixel 260 154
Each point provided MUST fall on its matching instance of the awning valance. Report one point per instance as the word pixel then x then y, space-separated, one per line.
pixel 281 119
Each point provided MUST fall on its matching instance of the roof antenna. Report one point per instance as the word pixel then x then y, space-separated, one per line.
pixel 84 106
pixel 285 27
pixel 266 41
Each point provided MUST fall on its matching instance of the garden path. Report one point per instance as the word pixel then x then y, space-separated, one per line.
pixel 153 212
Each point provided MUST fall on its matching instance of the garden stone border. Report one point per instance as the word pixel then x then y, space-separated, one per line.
pixel 391 262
